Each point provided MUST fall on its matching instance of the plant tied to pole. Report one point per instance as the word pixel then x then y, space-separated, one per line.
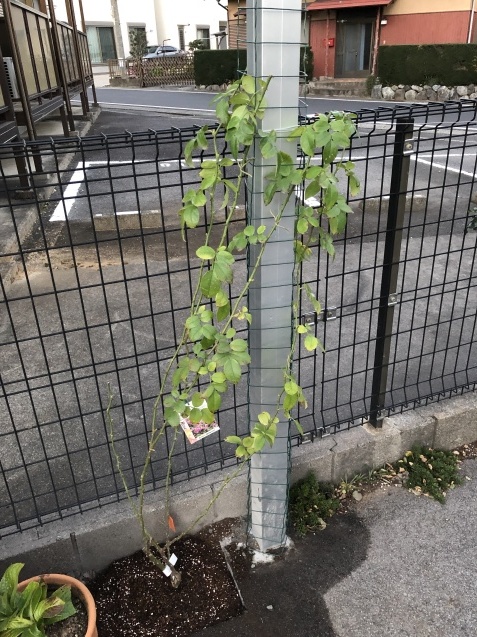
pixel 210 356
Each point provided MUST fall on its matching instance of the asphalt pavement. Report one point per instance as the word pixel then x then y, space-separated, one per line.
pixel 395 565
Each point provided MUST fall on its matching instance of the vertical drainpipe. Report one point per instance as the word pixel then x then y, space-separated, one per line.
pixel 471 21
pixel 327 48
pixel 273 49
pixel 377 37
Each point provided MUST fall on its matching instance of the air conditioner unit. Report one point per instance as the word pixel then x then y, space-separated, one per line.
pixel 11 78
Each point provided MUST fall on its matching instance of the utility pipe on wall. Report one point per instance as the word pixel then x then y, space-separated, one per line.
pixel 471 21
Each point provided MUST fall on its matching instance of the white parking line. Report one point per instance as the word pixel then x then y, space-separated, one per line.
pixel 63 209
pixel 445 168
pixel 78 177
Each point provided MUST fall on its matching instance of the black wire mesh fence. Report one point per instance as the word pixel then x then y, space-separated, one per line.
pixel 399 298
pixel 96 282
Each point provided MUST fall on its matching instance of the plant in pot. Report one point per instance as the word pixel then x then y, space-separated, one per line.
pixel 30 607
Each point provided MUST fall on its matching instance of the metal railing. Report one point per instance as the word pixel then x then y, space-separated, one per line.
pixel 96 281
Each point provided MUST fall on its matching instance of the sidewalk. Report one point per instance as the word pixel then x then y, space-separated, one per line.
pixel 101 75
pixel 396 565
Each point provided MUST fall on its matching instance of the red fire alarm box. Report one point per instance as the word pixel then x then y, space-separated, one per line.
pixel 331 42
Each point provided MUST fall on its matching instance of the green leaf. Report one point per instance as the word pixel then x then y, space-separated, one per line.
pixel 190 215
pixel 222 111
pixel 197 400
pixel 313 171
pixel 323 138
pixel 269 192
pixel 234 440
pixel 248 84
pixel 299 427
pixel 209 332
pixel 354 185
pixel 209 284
pixel 289 402
pixel 264 417
pixel 199 199
pixel 223 312
pixel 201 139
pixel 9 581
pixel 312 189
pixel 295 133
pixel 291 388
pixel 238 115
pixel 232 370
pixel 249 231
pixel 311 343
pixel 188 150
pixel 302 226
pixel 302 329
pixel 221 299
pixel 206 253
pixel 238 345
pixel 307 141
pixel 214 401
pixel 218 377
pixel 48 608
pixel 195 415
pixel 171 417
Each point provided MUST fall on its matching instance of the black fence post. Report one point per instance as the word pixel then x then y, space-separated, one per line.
pixel 403 149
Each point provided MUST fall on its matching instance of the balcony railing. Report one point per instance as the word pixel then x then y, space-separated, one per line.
pixel 51 64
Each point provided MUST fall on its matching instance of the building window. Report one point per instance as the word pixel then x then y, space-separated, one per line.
pixel 203 34
pixel 182 45
pixel 222 36
pixel 101 44
pixel 135 30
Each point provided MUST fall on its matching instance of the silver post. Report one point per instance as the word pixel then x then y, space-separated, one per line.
pixel 273 49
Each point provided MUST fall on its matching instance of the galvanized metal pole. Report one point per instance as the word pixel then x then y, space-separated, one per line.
pixel 273 49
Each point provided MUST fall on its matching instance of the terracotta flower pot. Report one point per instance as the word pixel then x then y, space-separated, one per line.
pixel 55 579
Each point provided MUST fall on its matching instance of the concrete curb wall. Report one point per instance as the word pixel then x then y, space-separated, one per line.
pixel 102 535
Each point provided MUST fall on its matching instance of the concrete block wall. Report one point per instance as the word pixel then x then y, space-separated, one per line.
pixel 90 541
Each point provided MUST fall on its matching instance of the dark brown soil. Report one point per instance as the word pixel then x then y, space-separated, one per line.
pixel 134 599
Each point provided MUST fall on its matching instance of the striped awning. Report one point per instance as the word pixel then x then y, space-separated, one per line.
pixel 346 4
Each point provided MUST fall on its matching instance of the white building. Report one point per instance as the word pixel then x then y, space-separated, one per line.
pixel 176 22
pixel 99 21
pixel 182 21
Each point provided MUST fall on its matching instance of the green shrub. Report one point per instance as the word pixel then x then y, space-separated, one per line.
pixel 222 66
pixel 310 503
pixel 371 81
pixel 430 471
pixel 445 64
pixel 217 66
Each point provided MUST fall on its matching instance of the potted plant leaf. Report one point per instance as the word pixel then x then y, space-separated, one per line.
pixel 27 608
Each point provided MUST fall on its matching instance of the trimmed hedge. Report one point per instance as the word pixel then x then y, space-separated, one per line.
pixel 221 66
pixel 218 67
pixel 445 64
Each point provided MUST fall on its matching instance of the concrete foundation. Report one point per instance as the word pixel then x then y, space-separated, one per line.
pixel 90 541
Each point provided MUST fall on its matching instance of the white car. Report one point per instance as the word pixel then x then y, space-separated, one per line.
pixel 161 51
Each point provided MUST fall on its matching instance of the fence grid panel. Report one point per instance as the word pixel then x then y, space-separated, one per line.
pixel 96 282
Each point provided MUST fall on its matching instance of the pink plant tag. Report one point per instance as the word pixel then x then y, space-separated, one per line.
pixel 197 431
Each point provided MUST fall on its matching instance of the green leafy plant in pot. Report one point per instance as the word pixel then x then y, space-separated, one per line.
pixel 27 608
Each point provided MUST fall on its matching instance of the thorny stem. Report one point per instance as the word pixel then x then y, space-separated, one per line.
pixel 158 555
